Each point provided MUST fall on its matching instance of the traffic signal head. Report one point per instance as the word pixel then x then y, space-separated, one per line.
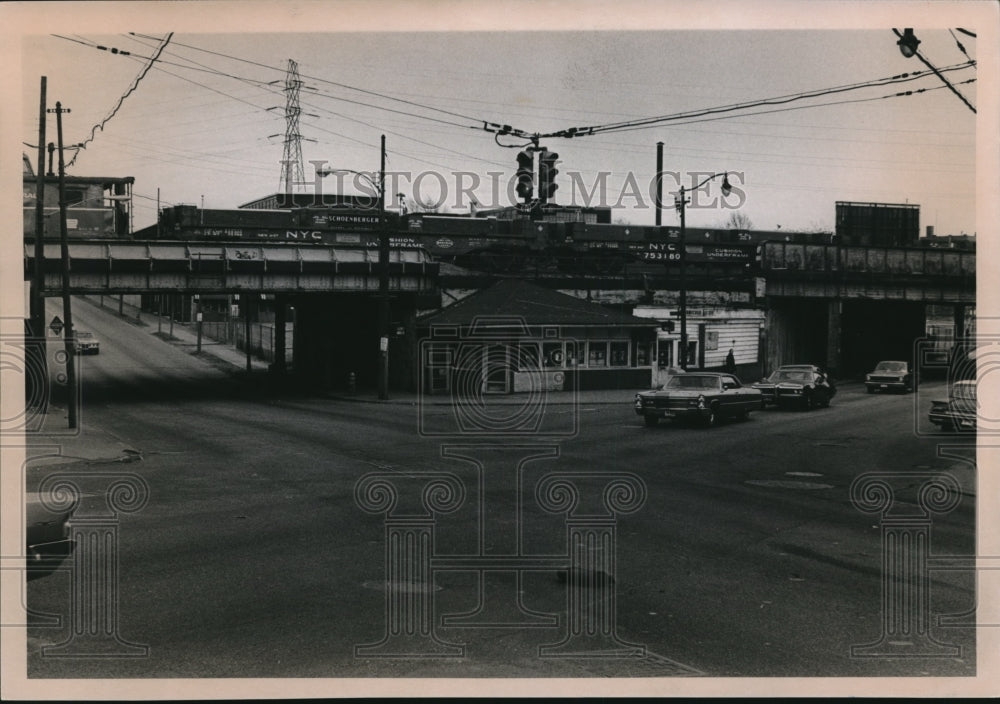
pixel 525 175
pixel 547 175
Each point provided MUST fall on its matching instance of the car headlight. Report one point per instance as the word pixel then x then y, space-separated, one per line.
pixel 701 401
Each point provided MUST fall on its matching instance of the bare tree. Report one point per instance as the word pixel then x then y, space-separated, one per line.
pixel 738 221
pixel 415 205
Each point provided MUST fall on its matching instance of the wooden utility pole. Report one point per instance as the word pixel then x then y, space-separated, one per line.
pixel 383 286
pixel 70 337
pixel 37 303
pixel 659 183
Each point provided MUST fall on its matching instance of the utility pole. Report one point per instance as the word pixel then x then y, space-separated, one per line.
pixel 659 183
pixel 70 338
pixel 682 302
pixel 38 279
pixel 198 316
pixel 246 330
pixel 383 286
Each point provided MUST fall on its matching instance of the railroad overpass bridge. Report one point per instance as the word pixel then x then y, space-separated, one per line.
pixel 333 289
pixel 844 307
pixel 853 306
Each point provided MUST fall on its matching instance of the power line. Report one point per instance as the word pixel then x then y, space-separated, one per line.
pixel 937 72
pixel 127 93
pixel 903 94
pixel 779 100
pixel 340 85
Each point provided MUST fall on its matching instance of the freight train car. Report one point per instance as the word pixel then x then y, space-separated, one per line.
pixel 482 243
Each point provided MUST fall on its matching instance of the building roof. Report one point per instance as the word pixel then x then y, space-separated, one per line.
pixel 535 305
pixel 281 201
pixel 103 181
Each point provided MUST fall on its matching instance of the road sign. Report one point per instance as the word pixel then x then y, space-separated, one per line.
pixel 56 325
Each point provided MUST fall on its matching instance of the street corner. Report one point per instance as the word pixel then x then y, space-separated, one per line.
pixel 90 445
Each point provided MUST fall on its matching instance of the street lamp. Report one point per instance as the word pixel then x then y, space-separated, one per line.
pixel 908 43
pixel 383 267
pixel 680 202
pixel 908 46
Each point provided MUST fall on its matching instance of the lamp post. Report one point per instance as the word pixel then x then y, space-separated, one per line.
pixel 909 47
pixel 383 267
pixel 680 202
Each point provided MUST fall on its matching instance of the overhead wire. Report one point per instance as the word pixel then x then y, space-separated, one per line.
pixel 680 119
pixel 628 125
pixel 961 48
pixel 114 111
pixel 900 94
pixel 335 83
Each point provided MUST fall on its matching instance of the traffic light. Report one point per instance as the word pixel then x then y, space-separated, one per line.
pixel 525 175
pixel 547 175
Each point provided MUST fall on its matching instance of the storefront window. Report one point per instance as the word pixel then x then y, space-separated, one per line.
pixel 666 358
pixel 597 354
pixel 527 356
pixel 571 356
pixel 553 355
pixel 619 354
pixel 692 355
pixel 642 354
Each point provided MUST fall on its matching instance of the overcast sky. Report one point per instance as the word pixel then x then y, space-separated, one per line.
pixel 207 121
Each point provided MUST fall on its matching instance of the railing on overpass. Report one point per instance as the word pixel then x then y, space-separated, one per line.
pixel 99 266
pixel 896 273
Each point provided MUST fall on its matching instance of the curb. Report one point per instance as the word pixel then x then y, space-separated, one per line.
pixel 505 400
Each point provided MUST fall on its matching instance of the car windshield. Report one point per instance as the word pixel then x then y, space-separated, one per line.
pixel 789 375
pixel 891 367
pixel 693 381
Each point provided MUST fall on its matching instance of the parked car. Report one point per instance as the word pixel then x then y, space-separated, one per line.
pixel 890 375
pixel 86 343
pixel 804 384
pixel 47 536
pixel 700 396
pixel 958 412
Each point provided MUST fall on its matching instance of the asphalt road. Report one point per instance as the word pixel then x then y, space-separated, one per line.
pixel 253 558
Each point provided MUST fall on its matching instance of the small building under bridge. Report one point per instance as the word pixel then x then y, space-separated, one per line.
pixel 514 335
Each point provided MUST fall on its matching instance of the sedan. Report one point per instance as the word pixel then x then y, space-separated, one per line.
pixel 804 384
pixel 890 376
pixel 958 412
pixel 705 397
pixel 47 536
pixel 86 343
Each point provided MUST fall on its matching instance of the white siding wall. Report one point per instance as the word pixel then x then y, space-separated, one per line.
pixel 742 336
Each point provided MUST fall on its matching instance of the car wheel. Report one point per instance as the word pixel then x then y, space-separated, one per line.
pixel 807 401
pixel 651 421
pixel 870 389
pixel 744 414
pixel 825 400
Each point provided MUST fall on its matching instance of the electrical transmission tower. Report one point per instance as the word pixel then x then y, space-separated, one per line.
pixel 292 172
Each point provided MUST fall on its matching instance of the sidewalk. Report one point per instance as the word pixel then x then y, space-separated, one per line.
pixel 185 336
pixel 622 397
pixel 55 443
